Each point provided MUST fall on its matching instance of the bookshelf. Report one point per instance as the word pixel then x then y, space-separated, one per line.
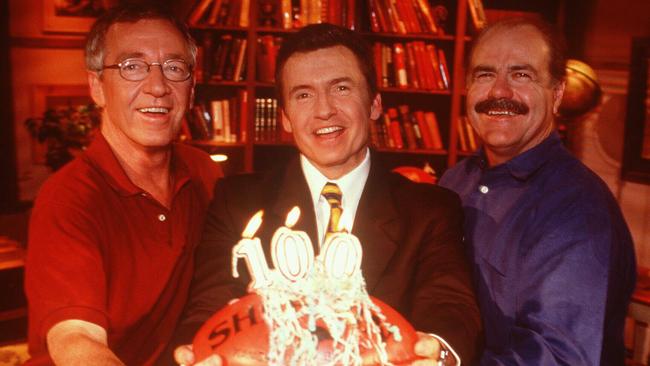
pixel 259 138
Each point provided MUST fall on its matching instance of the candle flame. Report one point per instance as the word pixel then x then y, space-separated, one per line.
pixel 253 224
pixel 292 217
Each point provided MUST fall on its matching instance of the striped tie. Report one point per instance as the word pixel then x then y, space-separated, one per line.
pixel 333 195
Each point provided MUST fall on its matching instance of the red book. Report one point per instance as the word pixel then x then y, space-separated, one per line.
pixel 377 54
pixel 242 98
pixel 399 63
pixel 435 66
pixel 427 14
pixel 424 66
pixel 351 14
pixel 411 66
pixel 198 12
pixel 395 128
pixel 424 130
pixel 334 11
pixel 375 25
pixel 434 129
pixel 444 70
pixel 409 131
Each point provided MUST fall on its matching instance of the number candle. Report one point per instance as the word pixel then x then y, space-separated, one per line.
pixel 250 249
pixel 341 253
pixel 292 251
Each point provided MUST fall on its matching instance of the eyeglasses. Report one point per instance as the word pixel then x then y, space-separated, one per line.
pixel 136 69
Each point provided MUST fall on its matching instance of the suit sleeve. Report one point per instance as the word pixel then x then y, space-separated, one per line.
pixel 212 284
pixel 444 301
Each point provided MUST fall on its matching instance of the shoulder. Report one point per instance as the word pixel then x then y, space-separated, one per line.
pixel 200 166
pixel 77 182
pixel 421 196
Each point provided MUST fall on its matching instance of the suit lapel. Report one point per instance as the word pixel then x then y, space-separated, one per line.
pixel 293 191
pixel 376 225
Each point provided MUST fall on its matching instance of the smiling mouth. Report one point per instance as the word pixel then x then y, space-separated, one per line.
pixel 157 110
pixel 328 130
pixel 501 107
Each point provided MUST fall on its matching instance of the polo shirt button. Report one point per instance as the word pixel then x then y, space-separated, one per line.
pixel 483 189
pixel 162 217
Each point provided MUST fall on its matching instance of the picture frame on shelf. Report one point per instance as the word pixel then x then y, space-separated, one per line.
pixel 65 16
pixel 636 154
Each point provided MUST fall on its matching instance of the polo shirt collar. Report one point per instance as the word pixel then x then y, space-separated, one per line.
pixel 523 166
pixel 101 156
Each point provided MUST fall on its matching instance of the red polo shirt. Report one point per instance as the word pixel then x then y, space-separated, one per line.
pixel 103 250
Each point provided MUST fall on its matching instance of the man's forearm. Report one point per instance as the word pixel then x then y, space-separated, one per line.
pixel 75 342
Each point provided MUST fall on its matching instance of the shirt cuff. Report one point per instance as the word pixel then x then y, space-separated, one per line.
pixel 447 353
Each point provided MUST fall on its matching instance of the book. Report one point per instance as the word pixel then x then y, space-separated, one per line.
pixel 435 66
pixel 216 109
pixel 478 14
pixel 444 71
pixel 395 129
pixel 244 13
pixel 242 97
pixel 220 57
pixel 424 130
pixel 411 66
pixel 434 130
pixel 427 14
pixel 399 63
pixel 462 138
pixel 407 126
pixel 240 66
pixel 198 12
pixel 214 13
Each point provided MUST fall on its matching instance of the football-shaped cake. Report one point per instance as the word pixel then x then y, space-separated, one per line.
pixel 239 334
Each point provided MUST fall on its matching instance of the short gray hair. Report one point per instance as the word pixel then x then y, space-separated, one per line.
pixel 130 13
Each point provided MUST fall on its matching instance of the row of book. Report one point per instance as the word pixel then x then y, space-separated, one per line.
pixel 233 13
pixel 220 120
pixel 224 120
pixel 409 65
pixel 401 128
pixel 268 126
pixel 226 62
pixel 289 14
pixel 406 16
pixel 415 65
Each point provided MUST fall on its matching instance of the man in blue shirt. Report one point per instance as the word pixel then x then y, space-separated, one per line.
pixel 553 259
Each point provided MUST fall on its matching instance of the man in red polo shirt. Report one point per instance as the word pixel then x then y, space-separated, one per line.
pixel 110 253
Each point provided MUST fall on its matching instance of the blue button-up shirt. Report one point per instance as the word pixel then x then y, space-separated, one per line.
pixel 554 264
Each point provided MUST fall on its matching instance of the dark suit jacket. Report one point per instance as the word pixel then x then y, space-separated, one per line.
pixel 410 233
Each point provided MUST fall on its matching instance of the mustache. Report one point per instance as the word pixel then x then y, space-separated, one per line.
pixel 501 104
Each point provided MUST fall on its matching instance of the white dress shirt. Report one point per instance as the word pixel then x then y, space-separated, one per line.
pixel 351 186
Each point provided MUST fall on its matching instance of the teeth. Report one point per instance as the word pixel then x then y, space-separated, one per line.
pixel 500 113
pixel 326 130
pixel 154 110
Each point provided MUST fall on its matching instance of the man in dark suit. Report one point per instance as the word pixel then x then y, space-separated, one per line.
pixel 410 233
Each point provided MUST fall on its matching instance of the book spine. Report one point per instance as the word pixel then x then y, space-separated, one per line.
pixel 401 78
pixel 412 68
pixel 409 133
pixel 424 131
pixel 444 71
pixel 198 12
pixel 434 129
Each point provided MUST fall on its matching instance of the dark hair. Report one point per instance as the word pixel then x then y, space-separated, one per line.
pixel 318 36
pixel 550 34
pixel 129 13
